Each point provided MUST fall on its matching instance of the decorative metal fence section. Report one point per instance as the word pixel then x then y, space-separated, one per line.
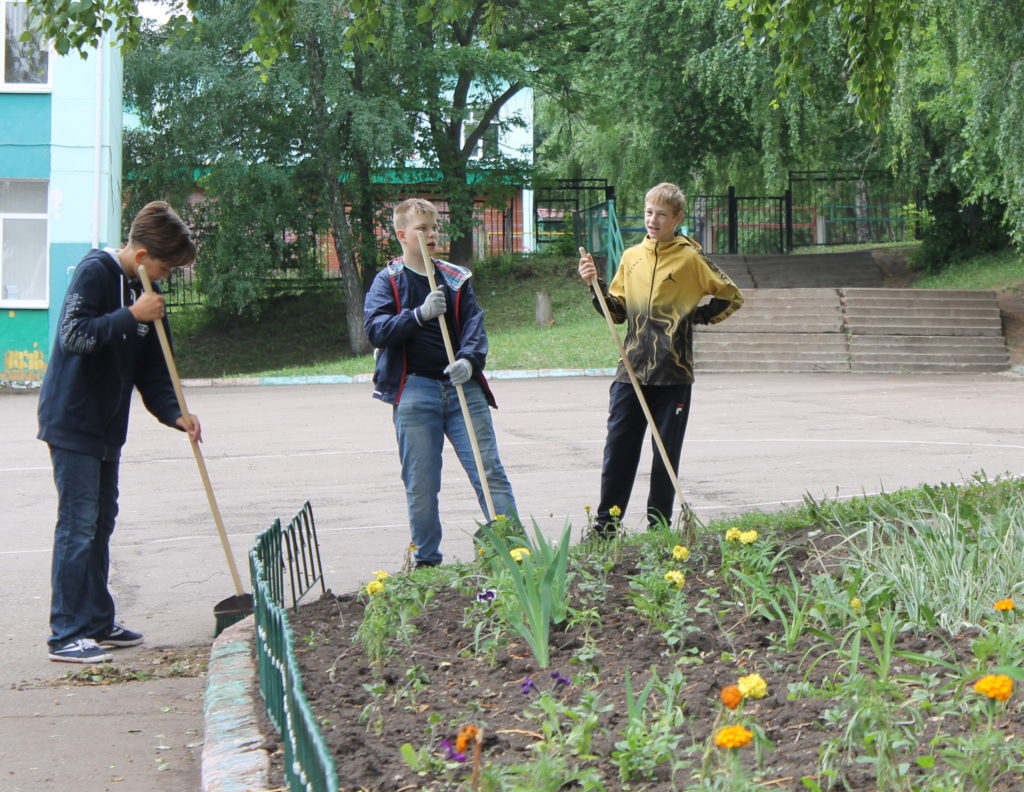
pixel 308 764
pixel 851 207
pixel 558 201
pixel 304 567
pixel 597 229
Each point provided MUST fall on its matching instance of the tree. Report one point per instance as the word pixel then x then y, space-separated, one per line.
pixel 271 151
pixel 457 65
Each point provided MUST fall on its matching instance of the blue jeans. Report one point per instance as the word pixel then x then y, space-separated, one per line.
pixel 429 411
pixel 80 603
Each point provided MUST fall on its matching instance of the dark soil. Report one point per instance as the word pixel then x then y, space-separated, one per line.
pixel 432 685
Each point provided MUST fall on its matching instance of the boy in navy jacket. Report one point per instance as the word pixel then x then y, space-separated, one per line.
pixel 413 374
pixel 104 347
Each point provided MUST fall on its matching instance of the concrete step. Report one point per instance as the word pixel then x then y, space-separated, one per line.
pixel 791 343
pixel 945 367
pixel 949 326
pixel 778 365
pixel 954 343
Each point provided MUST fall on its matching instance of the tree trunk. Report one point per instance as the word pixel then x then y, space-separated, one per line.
pixel 340 230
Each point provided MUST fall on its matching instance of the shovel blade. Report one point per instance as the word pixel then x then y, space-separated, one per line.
pixel 231 610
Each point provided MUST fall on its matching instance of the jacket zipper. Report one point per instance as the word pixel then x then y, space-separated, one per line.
pixel 654 272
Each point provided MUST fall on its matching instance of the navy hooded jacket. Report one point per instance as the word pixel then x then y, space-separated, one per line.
pixel 99 354
pixel 390 321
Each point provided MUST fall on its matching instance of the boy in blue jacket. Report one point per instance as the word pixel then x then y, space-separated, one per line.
pixel 414 376
pixel 105 345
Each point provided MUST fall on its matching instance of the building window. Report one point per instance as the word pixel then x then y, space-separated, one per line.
pixel 23 243
pixel 25 63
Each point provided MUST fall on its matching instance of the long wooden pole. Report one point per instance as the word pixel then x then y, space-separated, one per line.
pixel 186 416
pixel 669 467
pixel 429 266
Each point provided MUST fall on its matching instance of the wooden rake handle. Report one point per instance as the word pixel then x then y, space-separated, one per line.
pixel 186 416
pixel 669 467
pixel 429 266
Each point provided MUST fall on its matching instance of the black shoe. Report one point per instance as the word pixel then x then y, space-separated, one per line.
pixel 425 564
pixel 118 635
pixel 83 650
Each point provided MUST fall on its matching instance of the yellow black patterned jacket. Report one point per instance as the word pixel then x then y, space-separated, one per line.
pixel 656 291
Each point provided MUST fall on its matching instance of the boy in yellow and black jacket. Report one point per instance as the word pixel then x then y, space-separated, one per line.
pixel 656 291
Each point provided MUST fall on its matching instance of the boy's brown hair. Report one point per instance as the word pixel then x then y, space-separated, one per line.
pixel 667 194
pixel 163 234
pixel 412 206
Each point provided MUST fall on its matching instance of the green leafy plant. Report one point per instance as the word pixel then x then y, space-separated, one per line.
pixel 539 585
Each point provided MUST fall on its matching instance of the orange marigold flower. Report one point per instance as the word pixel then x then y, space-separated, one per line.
pixel 995 686
pixel 462 741
pixel 1005 605
pixel 731 696
pixel 733 737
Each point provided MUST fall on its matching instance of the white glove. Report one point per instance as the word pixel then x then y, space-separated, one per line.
pixel 432 307
pixel 460 371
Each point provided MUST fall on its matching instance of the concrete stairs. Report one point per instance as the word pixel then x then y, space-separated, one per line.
pixel 813 270
pixel 853 329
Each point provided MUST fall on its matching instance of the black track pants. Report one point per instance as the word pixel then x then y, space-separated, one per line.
pixel 627 428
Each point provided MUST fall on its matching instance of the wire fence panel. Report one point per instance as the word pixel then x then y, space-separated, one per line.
pixel 308 765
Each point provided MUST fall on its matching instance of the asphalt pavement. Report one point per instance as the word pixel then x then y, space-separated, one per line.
pixel 755 442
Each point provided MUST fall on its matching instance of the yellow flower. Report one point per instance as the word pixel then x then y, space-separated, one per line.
pixel 995 686
pixel 501 519
pixel 748 537
pixel 374 587
pixel 733 534
pixel 733 737
pixel 586 509
pixel 680 553
pixel 380 574
pixel 856 605
pixel 615 511
pixel 676 577
pixel 752 686
pixel 1005 605
pixel 518 553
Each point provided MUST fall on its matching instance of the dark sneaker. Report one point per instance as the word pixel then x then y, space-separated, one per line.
pixel 117 636
pixel 426 564
pixel 83 650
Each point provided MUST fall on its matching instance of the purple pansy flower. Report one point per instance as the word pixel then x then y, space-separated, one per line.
pixel 450 753
pixel 559 679
pixel 487 595
pixel 528 686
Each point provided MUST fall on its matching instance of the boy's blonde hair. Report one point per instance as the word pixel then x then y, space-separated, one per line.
pixel 667 194
pixel 412 206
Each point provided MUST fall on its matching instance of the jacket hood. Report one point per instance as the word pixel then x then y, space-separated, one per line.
pixel 680 240
pixel 454 275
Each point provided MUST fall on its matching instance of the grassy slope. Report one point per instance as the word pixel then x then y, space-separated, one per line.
pixel 306 335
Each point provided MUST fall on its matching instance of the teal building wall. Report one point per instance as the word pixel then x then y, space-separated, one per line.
pixel 52 135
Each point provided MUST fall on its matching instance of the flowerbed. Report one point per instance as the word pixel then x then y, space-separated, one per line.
pixel 866 646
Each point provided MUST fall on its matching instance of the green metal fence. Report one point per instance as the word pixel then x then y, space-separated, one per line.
pixel 308 764
pixel 597 229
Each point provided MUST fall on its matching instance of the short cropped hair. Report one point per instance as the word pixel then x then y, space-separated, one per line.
pixel 410 207
pixel 667 194
pixel 163 234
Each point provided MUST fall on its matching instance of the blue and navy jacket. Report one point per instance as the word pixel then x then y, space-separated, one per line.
pixel 99 354
pixel 390 321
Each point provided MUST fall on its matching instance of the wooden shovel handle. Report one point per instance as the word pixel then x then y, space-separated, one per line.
pixel 186 417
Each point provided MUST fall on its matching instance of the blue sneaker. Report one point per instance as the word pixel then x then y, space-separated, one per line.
pixel 118 635
pixel 83 650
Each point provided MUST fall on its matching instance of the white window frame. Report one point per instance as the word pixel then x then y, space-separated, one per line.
pixel 6 87
pixel 43 302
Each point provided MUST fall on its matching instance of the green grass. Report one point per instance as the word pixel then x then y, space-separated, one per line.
pixel 1000 271
pixel 305 335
